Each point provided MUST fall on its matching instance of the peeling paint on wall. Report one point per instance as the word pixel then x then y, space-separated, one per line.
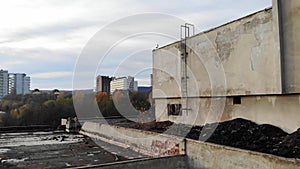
pixel 227 37
pixel 238 51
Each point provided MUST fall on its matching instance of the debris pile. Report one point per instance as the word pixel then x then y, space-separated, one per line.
pixel 239 133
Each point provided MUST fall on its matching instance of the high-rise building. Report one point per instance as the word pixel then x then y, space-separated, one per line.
pixel 19 83
pixel 135 86
pixel 123 83
pixel 11 82
pixel 27 85
pixel 3 83
pixel 103 84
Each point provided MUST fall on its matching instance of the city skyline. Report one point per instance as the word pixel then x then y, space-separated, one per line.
pixel 45 38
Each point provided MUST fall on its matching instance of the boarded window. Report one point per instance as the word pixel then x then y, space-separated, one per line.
pixel 174 109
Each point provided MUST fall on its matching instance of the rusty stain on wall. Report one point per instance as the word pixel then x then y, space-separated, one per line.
pixel 166 147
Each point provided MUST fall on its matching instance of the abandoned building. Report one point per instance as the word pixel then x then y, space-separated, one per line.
pixel 248 68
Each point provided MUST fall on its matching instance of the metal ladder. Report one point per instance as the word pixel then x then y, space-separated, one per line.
pixel 184 35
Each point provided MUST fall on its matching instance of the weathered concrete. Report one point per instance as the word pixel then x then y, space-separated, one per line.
pixel 278 42
pixel 279 110
pixel 235 52
pixel 289 26
pixel 173 162
pixel 212 156
pixel 201 155
pixel 257 55
pixel 148 143
pixel 55 150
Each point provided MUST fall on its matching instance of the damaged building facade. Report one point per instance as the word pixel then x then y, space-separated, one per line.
pixel 248 68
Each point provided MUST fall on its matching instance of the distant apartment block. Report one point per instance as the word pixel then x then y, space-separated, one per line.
pixel 3 83
pixel 123 83
pixel 27 85
pixel 103 84
pixel 18 83
pixel 135 85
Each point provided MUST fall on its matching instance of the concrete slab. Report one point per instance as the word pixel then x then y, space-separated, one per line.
pixel 56 150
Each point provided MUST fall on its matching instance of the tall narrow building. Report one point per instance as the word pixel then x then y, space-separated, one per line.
pixel 103 84
pixel 11 84
pixel 27 85
pixel 3 83
pixel 19 83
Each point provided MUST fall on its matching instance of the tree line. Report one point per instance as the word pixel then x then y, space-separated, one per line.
pixel 36 109
pixel 49 108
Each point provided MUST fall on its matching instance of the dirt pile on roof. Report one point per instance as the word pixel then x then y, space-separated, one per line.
pixel 239 133
pixel 290 145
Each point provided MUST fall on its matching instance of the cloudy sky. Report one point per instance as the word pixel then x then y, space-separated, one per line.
pixel 45 38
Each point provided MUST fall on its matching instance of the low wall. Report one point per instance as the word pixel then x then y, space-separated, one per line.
pixel 174 162
pixel 212 156
pixel 144 142
pixel 201 155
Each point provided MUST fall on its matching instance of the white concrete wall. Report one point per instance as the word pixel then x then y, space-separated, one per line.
pixel 203 155
pixel 148 143
pixel 260 56
pixel 238 58
pixel 281 110
pixel 289 26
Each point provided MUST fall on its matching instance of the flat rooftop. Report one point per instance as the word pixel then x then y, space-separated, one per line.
pixel 57 150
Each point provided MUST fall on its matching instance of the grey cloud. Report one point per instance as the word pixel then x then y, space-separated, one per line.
pixel 48 30
pixel 37 60
pixel 204 14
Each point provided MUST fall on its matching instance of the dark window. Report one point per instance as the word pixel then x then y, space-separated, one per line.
pixel 174 109
pixel 237 100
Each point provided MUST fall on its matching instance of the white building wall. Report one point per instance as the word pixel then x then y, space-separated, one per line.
pixel 123 83
pixel 238 58
pixel 287 13
pixel 279 110
pixel 117 84
pixel 259 56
